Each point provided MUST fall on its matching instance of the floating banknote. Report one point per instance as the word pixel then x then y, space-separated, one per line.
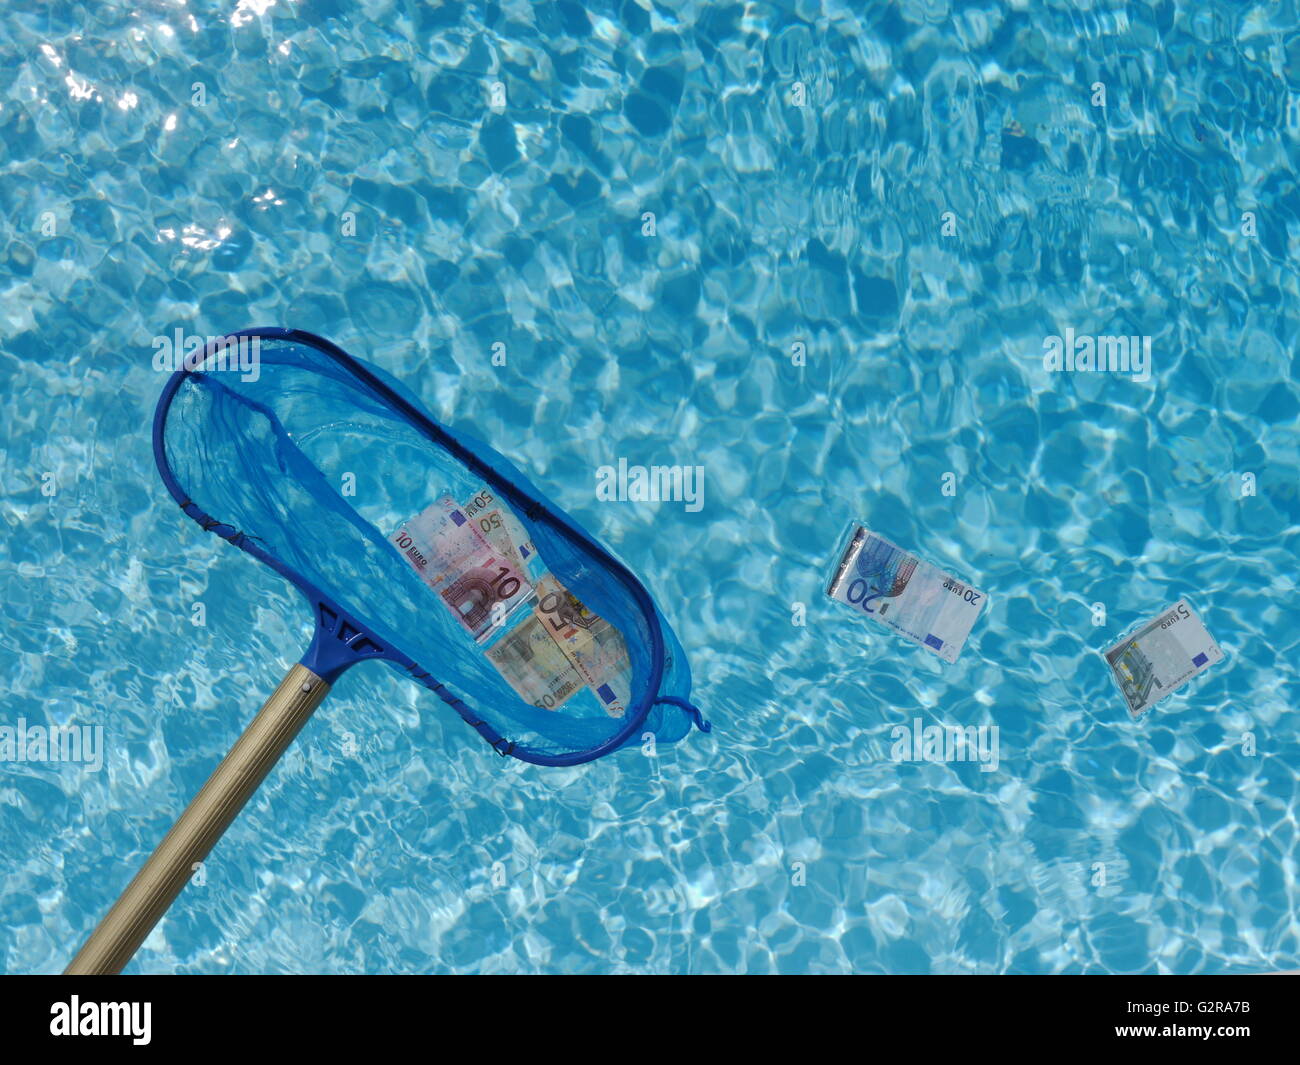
pixel 905 593
pixel 596 649
pixel 534 666
pixel 1161 656
pixel 481 585
pixel 600 654
pixel 503 531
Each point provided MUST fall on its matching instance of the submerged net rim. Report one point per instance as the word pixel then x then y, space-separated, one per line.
pixel 536 510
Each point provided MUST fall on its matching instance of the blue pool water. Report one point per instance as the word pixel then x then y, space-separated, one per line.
pixel 950 192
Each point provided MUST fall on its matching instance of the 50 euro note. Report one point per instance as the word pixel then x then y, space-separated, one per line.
pixel 534 666
pixel 594 647
pixel 562 648
pixel 905 593
pixel 481 585
pixel 498 525
pixel 1161 656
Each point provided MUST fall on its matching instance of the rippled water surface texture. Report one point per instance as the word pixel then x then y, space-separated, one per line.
pixel 813 248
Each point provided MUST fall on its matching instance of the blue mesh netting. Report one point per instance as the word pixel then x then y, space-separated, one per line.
pixel 269 459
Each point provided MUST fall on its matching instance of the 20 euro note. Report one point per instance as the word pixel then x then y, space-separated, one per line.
pixel 1161 656
pixel 596 648
pixel 479 584
pixel 905 593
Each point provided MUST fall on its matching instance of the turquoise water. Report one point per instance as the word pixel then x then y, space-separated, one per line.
pixel 788 840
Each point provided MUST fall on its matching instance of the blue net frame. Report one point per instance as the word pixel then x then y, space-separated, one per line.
pixel 345 636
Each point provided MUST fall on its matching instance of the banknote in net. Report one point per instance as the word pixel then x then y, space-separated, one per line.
pixel 904 593
pixel 481 585
pixel 594 647
pixel 532 663
pixel 1161 656
pixel 503 531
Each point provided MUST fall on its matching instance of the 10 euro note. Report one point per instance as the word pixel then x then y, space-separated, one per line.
pixel 1161 656
pixel 905 593
pixel 480 585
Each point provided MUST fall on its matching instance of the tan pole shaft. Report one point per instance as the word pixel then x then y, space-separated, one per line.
pixel 171 865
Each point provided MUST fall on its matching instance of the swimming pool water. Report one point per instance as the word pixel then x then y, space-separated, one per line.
pixel 814 249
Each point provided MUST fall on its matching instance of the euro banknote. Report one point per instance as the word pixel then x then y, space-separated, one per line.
pixel 503 531
pixel 1161 656
pixel 595 648
pixel 479 559
pixel 532 663
pixel 905 593
pixel 480 584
